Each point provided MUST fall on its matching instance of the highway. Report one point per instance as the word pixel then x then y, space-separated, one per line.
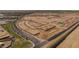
pixel 58 39
pixel 72 41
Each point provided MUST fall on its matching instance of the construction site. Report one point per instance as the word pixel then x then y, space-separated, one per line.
pixel 39 29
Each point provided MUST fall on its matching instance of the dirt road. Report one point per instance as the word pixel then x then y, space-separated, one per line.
pixel 72 41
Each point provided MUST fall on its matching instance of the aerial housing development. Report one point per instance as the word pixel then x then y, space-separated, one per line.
pixel 39 29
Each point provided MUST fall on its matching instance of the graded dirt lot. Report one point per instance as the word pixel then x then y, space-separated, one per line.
pixel 3 33
pixel 72 41
pixel 5 38
pixel 45 25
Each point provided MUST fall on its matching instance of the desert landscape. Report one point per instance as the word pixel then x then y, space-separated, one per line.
pixel 39 29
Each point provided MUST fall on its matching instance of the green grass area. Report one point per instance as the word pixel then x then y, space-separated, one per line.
pixel 20 42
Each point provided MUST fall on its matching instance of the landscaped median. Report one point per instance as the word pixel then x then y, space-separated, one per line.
pixel 19 42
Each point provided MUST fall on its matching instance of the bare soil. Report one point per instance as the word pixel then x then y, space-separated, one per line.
pixel 72 41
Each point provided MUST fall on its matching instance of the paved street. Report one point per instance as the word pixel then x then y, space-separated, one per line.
pixel 72 41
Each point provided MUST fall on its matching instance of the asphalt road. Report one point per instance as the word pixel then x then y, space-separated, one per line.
pixel 72 41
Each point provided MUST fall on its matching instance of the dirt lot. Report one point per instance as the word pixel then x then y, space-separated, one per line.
pixel 44 25
pixel 3 33
pixel 72 41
